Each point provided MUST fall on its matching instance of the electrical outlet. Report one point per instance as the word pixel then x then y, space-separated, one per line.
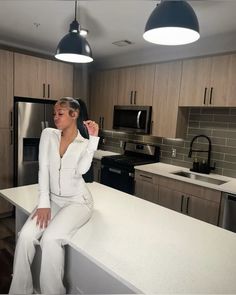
pixel 173 153
pixel 104 141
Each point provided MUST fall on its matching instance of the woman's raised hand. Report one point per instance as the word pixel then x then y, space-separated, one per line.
pixel 92 127
pixel 43 217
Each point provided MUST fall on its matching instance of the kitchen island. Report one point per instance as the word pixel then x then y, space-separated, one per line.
pixel 134 246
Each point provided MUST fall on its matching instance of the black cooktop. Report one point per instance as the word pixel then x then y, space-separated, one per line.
pixel 124 161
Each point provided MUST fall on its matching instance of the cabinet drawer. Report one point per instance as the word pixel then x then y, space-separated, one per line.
pixel 145 176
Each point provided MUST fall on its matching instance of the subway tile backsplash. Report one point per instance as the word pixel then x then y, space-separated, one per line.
pixel 217 123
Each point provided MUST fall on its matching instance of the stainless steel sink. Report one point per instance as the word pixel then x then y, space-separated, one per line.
pixel 199 177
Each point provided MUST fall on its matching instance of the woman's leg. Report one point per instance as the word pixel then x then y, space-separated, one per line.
pixel 67 220
pixel 24 255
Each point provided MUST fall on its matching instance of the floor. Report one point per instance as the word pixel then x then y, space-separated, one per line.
pixel 7 246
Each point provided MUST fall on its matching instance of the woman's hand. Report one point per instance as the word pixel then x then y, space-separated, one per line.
pixel 43 217
pixel 92 127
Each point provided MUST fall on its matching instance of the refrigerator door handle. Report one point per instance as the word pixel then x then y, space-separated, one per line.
pixel 42 125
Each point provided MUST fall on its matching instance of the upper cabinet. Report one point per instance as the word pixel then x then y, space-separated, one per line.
pixel 103 97
pixel 41 78
pixel 167 119
pixel 209 81
pixel 6 86
pixel 135 85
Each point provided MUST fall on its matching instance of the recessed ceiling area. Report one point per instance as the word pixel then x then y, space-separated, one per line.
pixel 39 25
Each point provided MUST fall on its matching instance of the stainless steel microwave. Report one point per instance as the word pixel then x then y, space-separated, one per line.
pixel 135 119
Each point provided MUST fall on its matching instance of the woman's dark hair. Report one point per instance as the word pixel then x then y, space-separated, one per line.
pixel 83 116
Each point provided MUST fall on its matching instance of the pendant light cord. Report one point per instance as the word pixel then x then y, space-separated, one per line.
pixel 76 4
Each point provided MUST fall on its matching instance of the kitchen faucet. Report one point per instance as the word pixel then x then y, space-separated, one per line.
pixel 208 167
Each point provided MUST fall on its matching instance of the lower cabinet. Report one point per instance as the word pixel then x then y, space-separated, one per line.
pixel 193 200
pixel 97 170
pixel 146 187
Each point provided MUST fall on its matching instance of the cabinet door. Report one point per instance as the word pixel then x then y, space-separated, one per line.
pixel 96 170
pixel 144 83
pixel 195 82
pixel 170 198
pixel 126 86
pixel 231 82
pixel 204 210
pixel 59 80
pixel 103 97
pixel 6 158
pixel 95 110
pixel 6 86
pixel 219 83
pixel 29 76
pixel 167 119
pixel 145 187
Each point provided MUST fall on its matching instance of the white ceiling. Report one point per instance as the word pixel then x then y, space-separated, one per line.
pixel 107 21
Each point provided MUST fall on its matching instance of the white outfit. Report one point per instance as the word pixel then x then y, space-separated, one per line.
pixel 62 188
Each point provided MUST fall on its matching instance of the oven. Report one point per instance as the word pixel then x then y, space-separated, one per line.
pixel 118 171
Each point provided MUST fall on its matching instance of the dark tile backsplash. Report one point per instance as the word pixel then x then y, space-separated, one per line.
pixel 217 123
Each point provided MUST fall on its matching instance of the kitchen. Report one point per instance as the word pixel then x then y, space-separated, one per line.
pixel 168 76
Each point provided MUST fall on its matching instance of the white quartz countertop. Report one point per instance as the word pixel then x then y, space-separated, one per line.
pixel 149 247
pixel 98 154
pixel 166 170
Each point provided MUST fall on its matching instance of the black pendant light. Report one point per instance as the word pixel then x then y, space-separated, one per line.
pixel 172 23
pixel 73 47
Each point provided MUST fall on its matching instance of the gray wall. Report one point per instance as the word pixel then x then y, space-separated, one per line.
pixel 217 123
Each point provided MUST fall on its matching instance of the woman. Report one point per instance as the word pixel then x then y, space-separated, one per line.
pixel 65 203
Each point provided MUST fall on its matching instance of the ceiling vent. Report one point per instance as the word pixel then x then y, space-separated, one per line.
pixel 122 43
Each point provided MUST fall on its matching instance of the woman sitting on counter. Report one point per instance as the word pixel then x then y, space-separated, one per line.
pixel 65 203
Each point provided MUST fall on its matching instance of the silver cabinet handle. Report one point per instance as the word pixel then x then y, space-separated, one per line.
pixel 117 171
pixel 205 93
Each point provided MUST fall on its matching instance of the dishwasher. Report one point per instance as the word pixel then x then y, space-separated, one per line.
pixel 229 212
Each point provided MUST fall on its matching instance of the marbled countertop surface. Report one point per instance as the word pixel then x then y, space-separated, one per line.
pixel 149 247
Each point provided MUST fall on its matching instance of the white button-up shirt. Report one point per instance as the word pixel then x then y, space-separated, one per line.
pixel 61 177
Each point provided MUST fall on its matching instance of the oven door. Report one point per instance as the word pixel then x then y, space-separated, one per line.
pixel 118 178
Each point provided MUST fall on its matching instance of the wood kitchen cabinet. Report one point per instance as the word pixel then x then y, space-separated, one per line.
pixel 41 78
pixel 167 119
pixel 103 97
pixel 6 86
pixel 193 200
pixel 97 170
pixel 209 81
pixel 145 186
pixel 136 85
pixel 6 166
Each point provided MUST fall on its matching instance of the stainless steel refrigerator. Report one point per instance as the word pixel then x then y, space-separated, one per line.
pixel 30 118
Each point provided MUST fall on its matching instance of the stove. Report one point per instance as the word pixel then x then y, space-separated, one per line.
pixel 118 171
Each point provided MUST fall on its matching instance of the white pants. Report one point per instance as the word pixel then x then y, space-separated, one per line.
pixel 64 222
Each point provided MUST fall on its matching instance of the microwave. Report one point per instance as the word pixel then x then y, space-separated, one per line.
pixel 134 119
